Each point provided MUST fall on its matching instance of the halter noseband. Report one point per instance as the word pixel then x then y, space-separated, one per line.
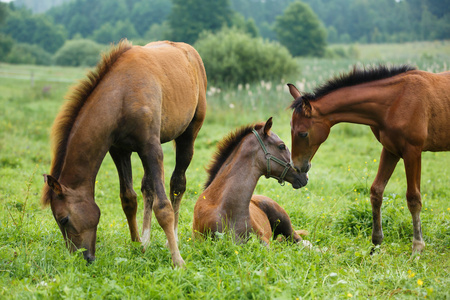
pixel 270 157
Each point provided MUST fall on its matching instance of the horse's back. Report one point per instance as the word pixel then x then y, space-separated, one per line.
pixel 162 84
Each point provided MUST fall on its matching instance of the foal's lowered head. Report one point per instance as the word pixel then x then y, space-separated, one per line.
pixel 275 157
pixel 77 216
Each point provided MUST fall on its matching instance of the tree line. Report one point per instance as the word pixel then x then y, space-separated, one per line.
pixel 74 31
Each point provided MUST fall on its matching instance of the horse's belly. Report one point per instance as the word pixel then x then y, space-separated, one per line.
pixel 438 134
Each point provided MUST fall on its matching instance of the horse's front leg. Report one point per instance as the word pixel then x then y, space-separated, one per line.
pixel 388 161
pixel 127 194
pixel 412 159
pixel 155 199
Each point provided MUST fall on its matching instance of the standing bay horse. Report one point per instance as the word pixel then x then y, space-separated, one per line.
pixel 228 203
pixel 408 111
pixel 136 99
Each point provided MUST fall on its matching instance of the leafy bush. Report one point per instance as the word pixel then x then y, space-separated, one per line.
pixel 233 57
pixel 78 53
pixel 6 44
pixel 22 53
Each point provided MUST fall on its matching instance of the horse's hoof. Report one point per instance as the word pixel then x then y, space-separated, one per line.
pixel 417 247
pixel 306 244
pixel 374 249
pixel 179 263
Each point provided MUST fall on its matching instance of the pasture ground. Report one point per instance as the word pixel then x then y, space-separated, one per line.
pixel 334 207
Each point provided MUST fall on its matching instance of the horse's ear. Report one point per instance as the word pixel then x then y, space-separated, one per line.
pixel 294 91
pixel 53 184
pixel 268 126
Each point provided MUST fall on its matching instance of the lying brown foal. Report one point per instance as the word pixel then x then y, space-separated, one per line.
pixel 228 203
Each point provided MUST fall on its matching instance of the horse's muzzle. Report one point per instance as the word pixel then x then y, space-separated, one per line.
pixel 88 257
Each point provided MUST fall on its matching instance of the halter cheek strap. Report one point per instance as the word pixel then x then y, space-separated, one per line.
pixel 269 157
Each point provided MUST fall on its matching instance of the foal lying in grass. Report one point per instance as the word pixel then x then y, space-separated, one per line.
pixel 228 203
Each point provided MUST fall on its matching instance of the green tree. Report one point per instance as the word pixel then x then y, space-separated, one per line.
pixel 300 30
pixel 189 18
pixel 146 13
pixel 35 29
pixel 105 34
pixel 109 33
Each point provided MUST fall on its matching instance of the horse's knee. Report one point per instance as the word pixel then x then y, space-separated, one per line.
pixel 129 200
pixel 414 201
pixel 376 195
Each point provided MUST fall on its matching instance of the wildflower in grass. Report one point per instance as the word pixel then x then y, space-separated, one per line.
pixel 349 295
pixel 235 251
pixel 420 282
pixel 448 209
pixel 411 274
pixel 375 160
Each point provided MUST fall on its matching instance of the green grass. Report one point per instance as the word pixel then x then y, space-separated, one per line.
pixel 334 207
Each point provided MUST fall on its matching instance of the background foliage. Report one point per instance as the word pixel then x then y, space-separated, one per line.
pixel 232 57
pixel 300 31
pixel 345 21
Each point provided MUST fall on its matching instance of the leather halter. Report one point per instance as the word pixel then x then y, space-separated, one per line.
pixel 269 157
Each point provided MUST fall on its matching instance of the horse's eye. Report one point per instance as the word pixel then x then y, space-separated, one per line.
pixel 282 147
pixel 303 134
pixel 64 221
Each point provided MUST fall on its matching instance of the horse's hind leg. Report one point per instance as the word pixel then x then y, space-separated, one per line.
pixel 127 194
pixel 184 152
pixel 412 161
pixel 278 218
pixel 155 198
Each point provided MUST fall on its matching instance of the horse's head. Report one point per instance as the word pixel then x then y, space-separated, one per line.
pixel 307 132
pixel 77 216
pixel 276 158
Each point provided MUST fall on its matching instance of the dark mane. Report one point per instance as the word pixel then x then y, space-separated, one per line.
pixel 66 117
pixel 354 77
pixel 224 149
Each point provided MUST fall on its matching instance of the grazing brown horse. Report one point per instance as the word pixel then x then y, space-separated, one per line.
pixel 408 111
pixel 136 99
pixel 227 202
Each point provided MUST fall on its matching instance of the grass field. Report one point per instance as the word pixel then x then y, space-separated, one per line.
pixel 334 207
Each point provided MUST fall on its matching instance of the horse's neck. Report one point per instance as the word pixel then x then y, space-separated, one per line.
pixel 235 184
pixel 87 146
pixel 364 104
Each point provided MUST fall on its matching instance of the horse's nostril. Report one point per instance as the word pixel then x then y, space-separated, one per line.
pixel 88 257
pixel 297 169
